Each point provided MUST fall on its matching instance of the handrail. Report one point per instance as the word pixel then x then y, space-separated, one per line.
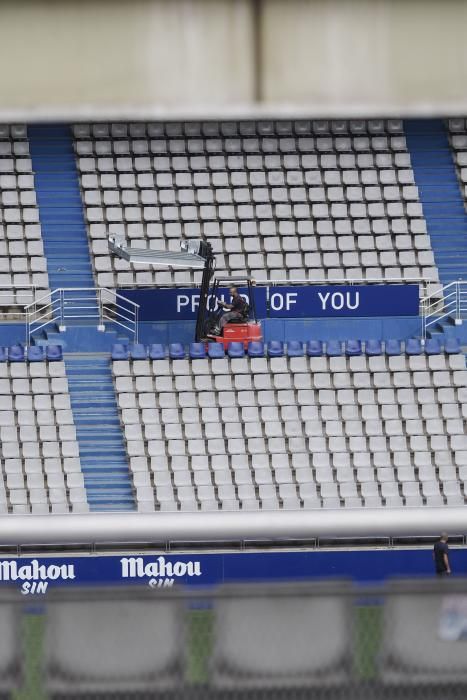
pixel 453 303
pixel 303 281
pixel 204 527
pixel 74 303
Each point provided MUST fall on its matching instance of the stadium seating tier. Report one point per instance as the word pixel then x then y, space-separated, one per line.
pixel 295 432
pixel 283 200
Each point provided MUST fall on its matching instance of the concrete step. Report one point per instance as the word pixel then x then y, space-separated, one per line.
pixel 102 450
pixel 442 201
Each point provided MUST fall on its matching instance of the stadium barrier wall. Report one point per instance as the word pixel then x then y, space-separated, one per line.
pixel 308 301
pixel 302 329
pixel 36 575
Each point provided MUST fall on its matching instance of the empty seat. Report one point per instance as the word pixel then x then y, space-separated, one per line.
pixel 216 350
pixel 260 643
pixel 393 347
pixel 138 351
pixel 275 348
pixel 156 351
pixel 373 347
pixel 333 348
pixel 314 348
pixel 119 352
pixel 235 349
pixel 353 347
pixel 176 351
pixel 415 650
pixel 100 646
pixel 255 349
pixel 197 351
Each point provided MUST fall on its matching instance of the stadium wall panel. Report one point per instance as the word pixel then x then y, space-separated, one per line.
pixel 159 570
pixel 180 58
pixel 294 329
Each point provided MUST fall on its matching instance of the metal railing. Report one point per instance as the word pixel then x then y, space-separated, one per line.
pixel 452 304
pixel 229 528
pixel 84 304
pixel 423 283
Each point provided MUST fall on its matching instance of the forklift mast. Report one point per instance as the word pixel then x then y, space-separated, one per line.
pixel 208 271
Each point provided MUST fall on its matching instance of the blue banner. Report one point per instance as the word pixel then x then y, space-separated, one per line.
pixel 37 575
pixel 313 301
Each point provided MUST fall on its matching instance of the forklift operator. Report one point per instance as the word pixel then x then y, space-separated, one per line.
pixel 236 309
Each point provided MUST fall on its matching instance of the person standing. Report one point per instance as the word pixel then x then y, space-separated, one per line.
pixel 441 556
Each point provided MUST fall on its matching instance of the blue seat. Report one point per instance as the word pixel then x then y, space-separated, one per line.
pixel 432 346
pixel 353 347
pixel 157 351
pixel 393 347
pixel 16 353
pixel 138 351
pixel 119 351
pixel 373 347
pixel 333 348
pixel 197 351
pixel 216 351
pixel 236 349
pixel 176 351
pixel 295 348
pixel 3 354
pixel 256 348
pixel 413 346
pixel 35 353
pixel 275 348
pixel 54 353
pixel 452 346
pixel 314 348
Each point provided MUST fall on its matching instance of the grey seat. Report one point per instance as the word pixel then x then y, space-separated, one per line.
pixel 299 643
pixel 100 646
pixel 415 649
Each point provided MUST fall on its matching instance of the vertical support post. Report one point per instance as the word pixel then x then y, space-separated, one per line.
pixel 458 319
pixel 423 321
pixel 101 324
pixel 61 301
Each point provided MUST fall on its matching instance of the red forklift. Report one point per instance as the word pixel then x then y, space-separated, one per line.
pixel 198 255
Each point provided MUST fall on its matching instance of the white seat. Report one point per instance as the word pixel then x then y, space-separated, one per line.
pixel 408 618
pixel 278 666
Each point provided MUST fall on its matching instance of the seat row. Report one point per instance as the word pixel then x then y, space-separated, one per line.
pixel 210 129
pixel 293 348
pixel 33 353
pixel 275 641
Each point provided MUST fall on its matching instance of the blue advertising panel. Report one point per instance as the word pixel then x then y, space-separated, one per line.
pixel 331 301
pixel 38 575
pixel 181 304
pixel 313 301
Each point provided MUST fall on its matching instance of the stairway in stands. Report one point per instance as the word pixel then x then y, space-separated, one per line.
pixel 440 195
pixel 60 209
pixel 102 451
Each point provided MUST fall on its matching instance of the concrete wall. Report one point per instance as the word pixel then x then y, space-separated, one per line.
pixel 385 55
pixel 120 56
pixel 159 58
